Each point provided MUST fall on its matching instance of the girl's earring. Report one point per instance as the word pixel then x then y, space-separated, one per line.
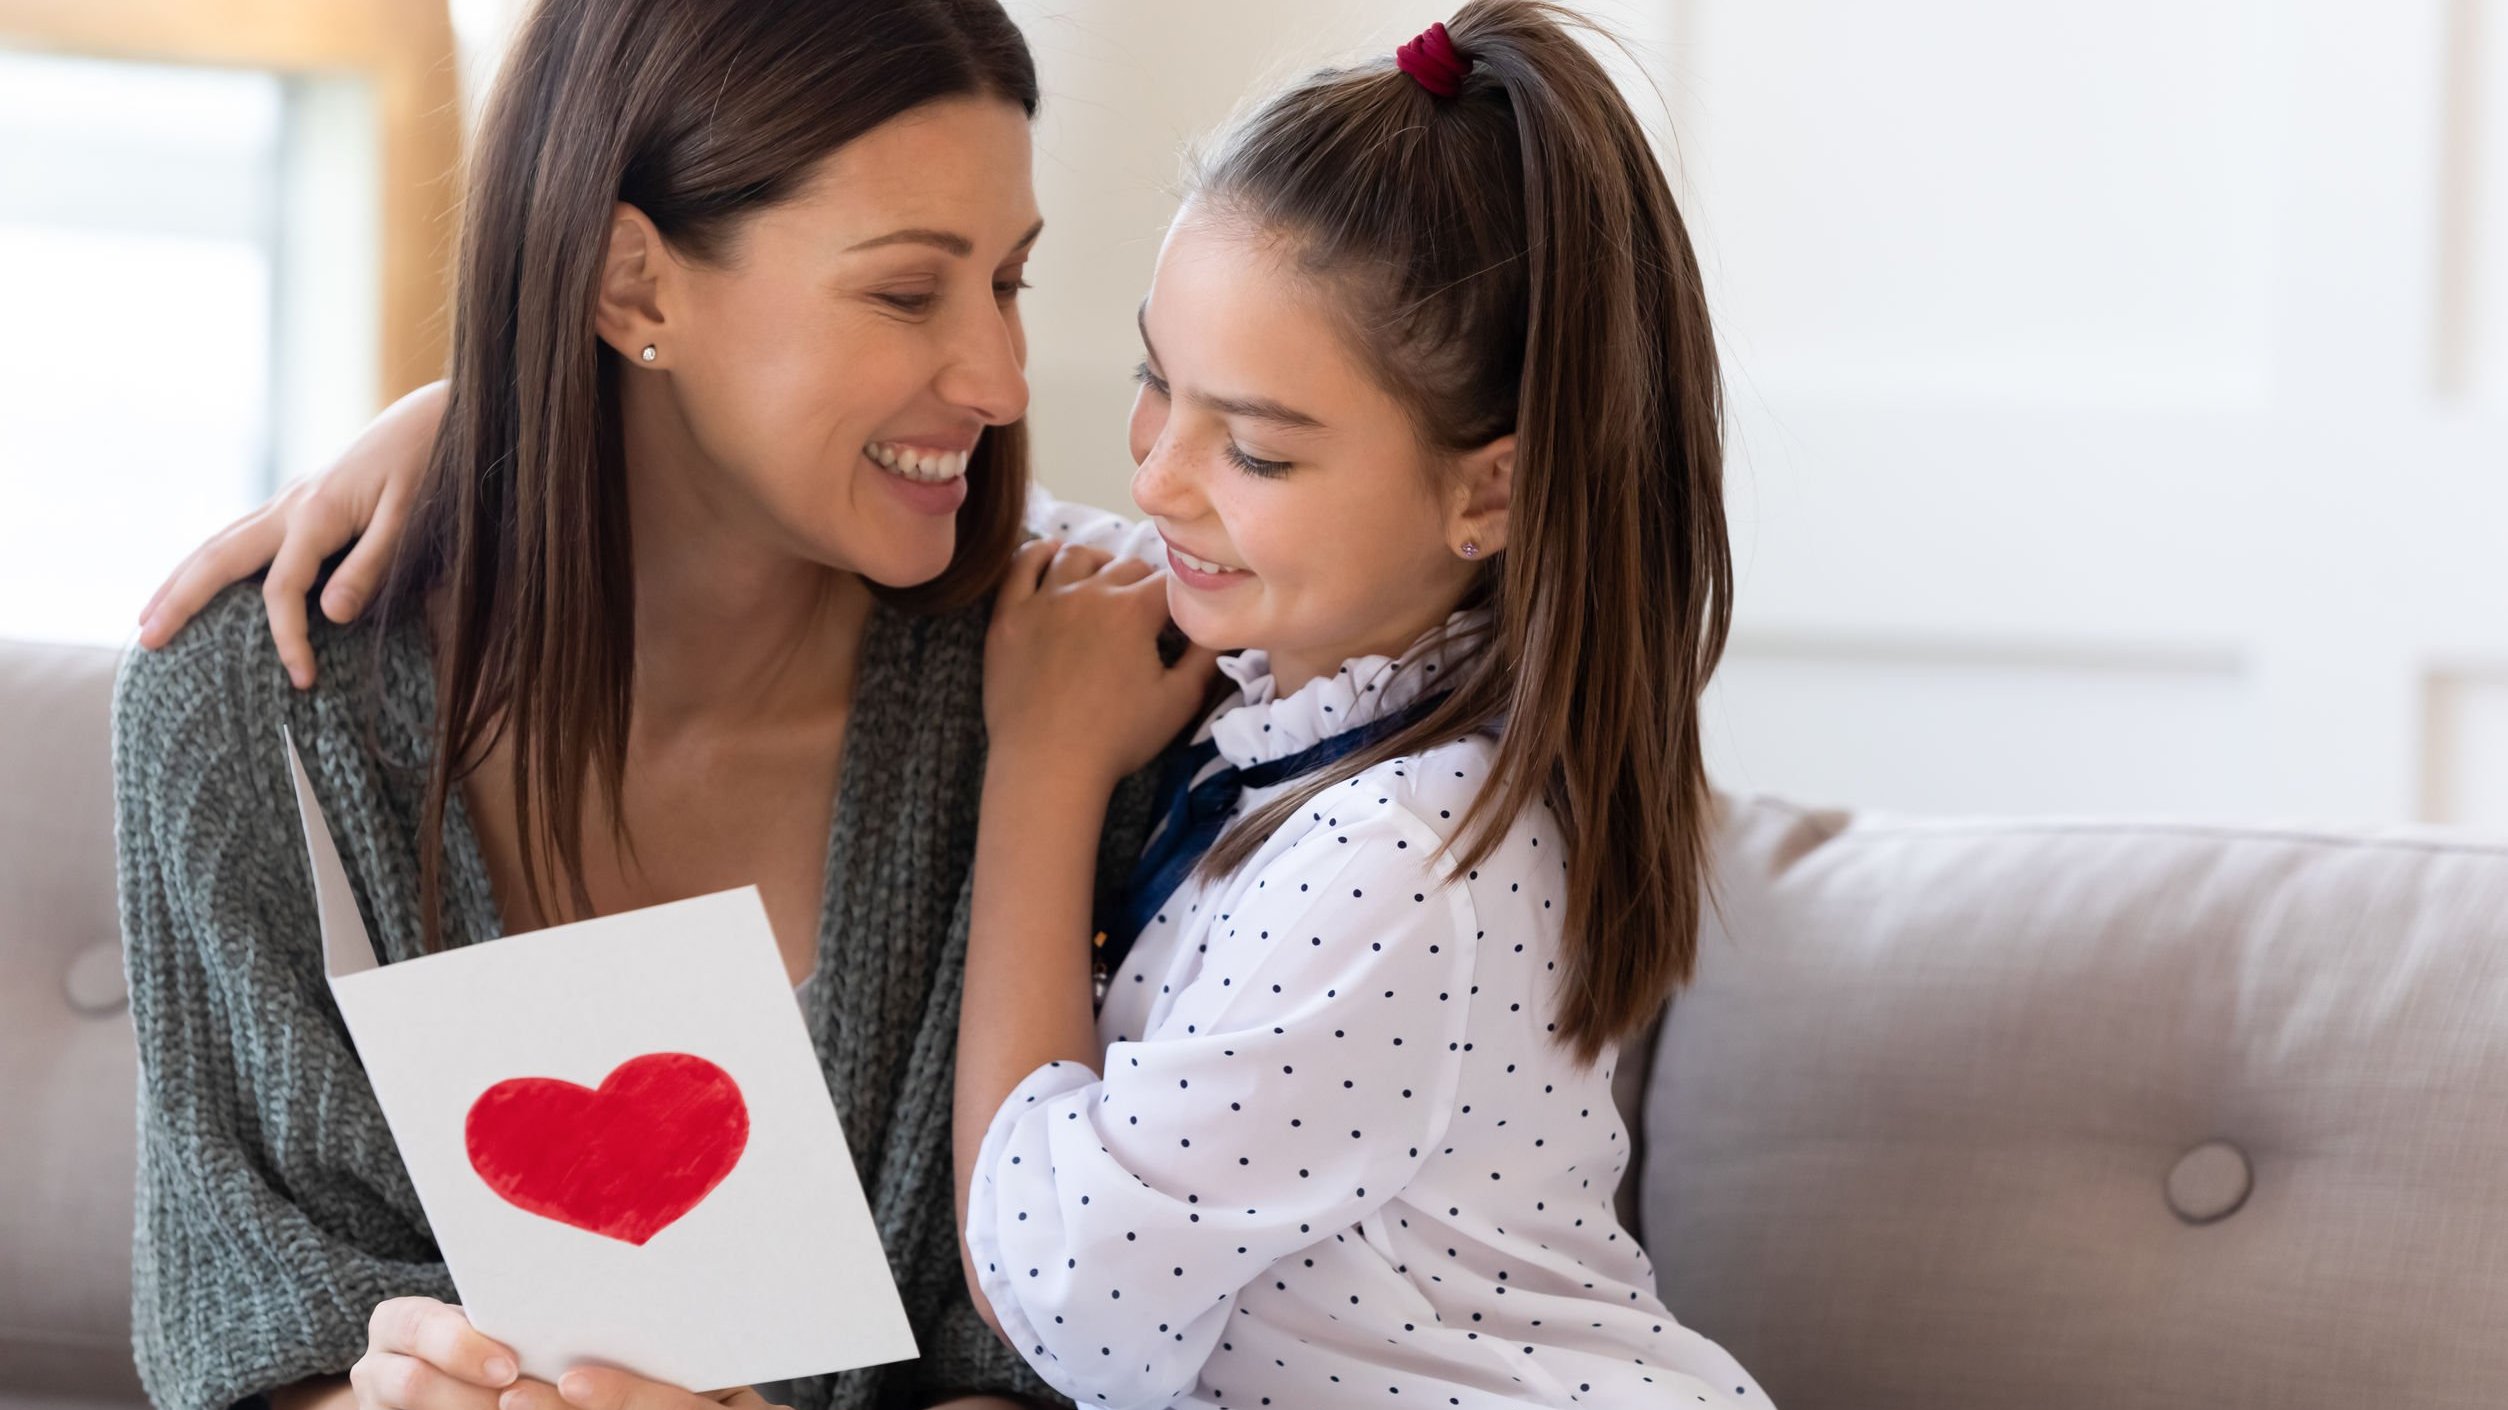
pixel 1471 548
pixel 650 352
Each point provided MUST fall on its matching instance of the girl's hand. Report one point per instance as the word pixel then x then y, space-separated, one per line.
pixel 422 1354
pixel 365 492
pixel 1071 670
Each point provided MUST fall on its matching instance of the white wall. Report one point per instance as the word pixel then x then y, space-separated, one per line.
pixel 2119 400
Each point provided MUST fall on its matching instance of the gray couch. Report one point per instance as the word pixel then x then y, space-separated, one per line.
pixel 67 1072
pixel 1994 1115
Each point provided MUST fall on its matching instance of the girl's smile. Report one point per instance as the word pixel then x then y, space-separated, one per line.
pixel 1203 573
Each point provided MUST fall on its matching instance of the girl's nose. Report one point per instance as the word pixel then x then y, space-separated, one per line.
pixel 1160 487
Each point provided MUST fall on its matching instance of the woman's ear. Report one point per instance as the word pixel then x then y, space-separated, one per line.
pixel 636 275
pixel 1484 491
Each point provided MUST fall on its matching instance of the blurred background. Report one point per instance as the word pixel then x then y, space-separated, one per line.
pixel 2118 394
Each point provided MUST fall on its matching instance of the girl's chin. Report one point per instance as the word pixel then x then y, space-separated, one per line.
pixel 1211 630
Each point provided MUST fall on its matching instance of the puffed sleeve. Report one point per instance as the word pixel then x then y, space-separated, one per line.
pixel 1293 1088
pixel 1048 517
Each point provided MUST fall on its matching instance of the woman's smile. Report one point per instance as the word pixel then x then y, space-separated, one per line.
pixel 929 479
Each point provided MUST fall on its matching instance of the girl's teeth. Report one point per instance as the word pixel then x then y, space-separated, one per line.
pixel 1199 564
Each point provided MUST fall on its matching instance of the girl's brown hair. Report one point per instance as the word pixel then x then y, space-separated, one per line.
pixel 1510 260
pixel 699 113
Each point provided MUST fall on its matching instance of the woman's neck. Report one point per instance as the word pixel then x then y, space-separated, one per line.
pixel 730 626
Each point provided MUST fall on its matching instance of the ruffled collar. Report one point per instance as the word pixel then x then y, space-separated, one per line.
pixel 1262 725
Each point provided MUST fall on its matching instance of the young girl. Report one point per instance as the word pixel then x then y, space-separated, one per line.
pixel 1428 435
pixel 1428 425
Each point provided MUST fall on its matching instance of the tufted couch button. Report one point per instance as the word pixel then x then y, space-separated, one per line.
pixel 2210 1183
pixel 94 984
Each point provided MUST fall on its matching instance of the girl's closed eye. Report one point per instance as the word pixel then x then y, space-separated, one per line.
pixel 1237 454
pixel 1253 465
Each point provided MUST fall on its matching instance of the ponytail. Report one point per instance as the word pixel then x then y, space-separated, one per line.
pixel 1510 259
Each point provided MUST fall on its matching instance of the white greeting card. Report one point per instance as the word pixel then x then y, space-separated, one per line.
pixel 623 1139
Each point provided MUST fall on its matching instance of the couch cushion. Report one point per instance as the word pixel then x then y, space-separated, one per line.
pixel 1912 1133
pixel 67 1069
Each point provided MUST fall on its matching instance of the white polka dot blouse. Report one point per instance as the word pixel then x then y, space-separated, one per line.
pixel 1335 1157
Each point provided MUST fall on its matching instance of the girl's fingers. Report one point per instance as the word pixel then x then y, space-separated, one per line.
pixel 1075 564
pixel 149 608
pixel 360 575
pixel 316 528
pixel 283 601
pixel 1027 565
pixel 1123 572
pixel 1147 593
pixel 234 553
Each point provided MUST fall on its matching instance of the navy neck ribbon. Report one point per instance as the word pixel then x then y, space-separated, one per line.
pixel 1194 815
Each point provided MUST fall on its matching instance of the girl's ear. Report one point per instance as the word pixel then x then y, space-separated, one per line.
pixel 1484 490
pixel 636 275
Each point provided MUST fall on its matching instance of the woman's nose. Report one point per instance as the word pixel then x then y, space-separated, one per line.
pixel 987 374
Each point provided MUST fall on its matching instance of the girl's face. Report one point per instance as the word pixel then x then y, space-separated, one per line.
pixel 828 376
pixel 1301 513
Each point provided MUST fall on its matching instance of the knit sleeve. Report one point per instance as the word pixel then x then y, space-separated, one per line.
pixel 273 1212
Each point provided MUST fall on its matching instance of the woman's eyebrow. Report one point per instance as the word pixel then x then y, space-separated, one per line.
pixel 1252 408
pixel 947 241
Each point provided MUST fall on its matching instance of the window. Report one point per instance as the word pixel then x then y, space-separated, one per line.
pixel 225 253
pixel 140 215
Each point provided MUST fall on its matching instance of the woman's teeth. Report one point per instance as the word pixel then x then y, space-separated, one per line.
pixel 932 467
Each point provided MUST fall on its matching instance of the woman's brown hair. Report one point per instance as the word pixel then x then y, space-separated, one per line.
pixel 1510 260
pixel 699 113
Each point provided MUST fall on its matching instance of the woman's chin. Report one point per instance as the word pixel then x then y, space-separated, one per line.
pixel 886 553
pixel 903 565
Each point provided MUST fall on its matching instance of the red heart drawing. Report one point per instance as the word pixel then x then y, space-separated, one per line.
pixel 625 1161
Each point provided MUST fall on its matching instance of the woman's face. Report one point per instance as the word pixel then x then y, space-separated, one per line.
pixel 827 376
pixel 1301 514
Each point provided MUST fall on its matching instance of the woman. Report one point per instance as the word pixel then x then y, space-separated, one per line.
pixel 692 598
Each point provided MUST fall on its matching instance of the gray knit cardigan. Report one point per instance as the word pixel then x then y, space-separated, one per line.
pixel 273 1209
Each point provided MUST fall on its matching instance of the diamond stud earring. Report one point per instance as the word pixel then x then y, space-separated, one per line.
pixel 650 352
pixel 1471 548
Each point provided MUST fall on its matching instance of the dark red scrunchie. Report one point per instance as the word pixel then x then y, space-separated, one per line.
pixel 1432 62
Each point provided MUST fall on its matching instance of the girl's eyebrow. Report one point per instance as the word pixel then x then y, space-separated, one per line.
pixel 1252 408
pixel 947 241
